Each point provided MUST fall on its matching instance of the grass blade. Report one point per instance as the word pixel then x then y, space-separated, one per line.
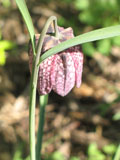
pixel 84 38
pixel 25 13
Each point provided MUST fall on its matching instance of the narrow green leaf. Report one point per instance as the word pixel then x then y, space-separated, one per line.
pixel 117 154
pixel 84 38
pixel 25 13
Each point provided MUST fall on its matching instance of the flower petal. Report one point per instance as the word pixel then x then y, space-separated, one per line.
pixel 63 73
pixel 77 56
pixel 44 76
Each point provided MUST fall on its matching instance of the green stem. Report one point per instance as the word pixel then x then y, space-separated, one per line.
pixel 44 31
pixel 33 86
pixel 32 117
pixel 43 102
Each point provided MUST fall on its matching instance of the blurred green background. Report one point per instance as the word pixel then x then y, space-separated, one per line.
pixel 89 115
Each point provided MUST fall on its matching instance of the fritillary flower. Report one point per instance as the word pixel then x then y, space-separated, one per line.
pixel 62 71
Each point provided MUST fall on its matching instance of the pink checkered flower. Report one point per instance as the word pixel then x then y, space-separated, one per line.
pixel 62 71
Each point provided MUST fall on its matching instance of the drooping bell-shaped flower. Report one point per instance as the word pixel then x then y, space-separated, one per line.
pixel 62 71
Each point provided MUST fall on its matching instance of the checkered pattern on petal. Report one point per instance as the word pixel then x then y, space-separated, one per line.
pixel 63 73
pixel 44 76
pixel 77 57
